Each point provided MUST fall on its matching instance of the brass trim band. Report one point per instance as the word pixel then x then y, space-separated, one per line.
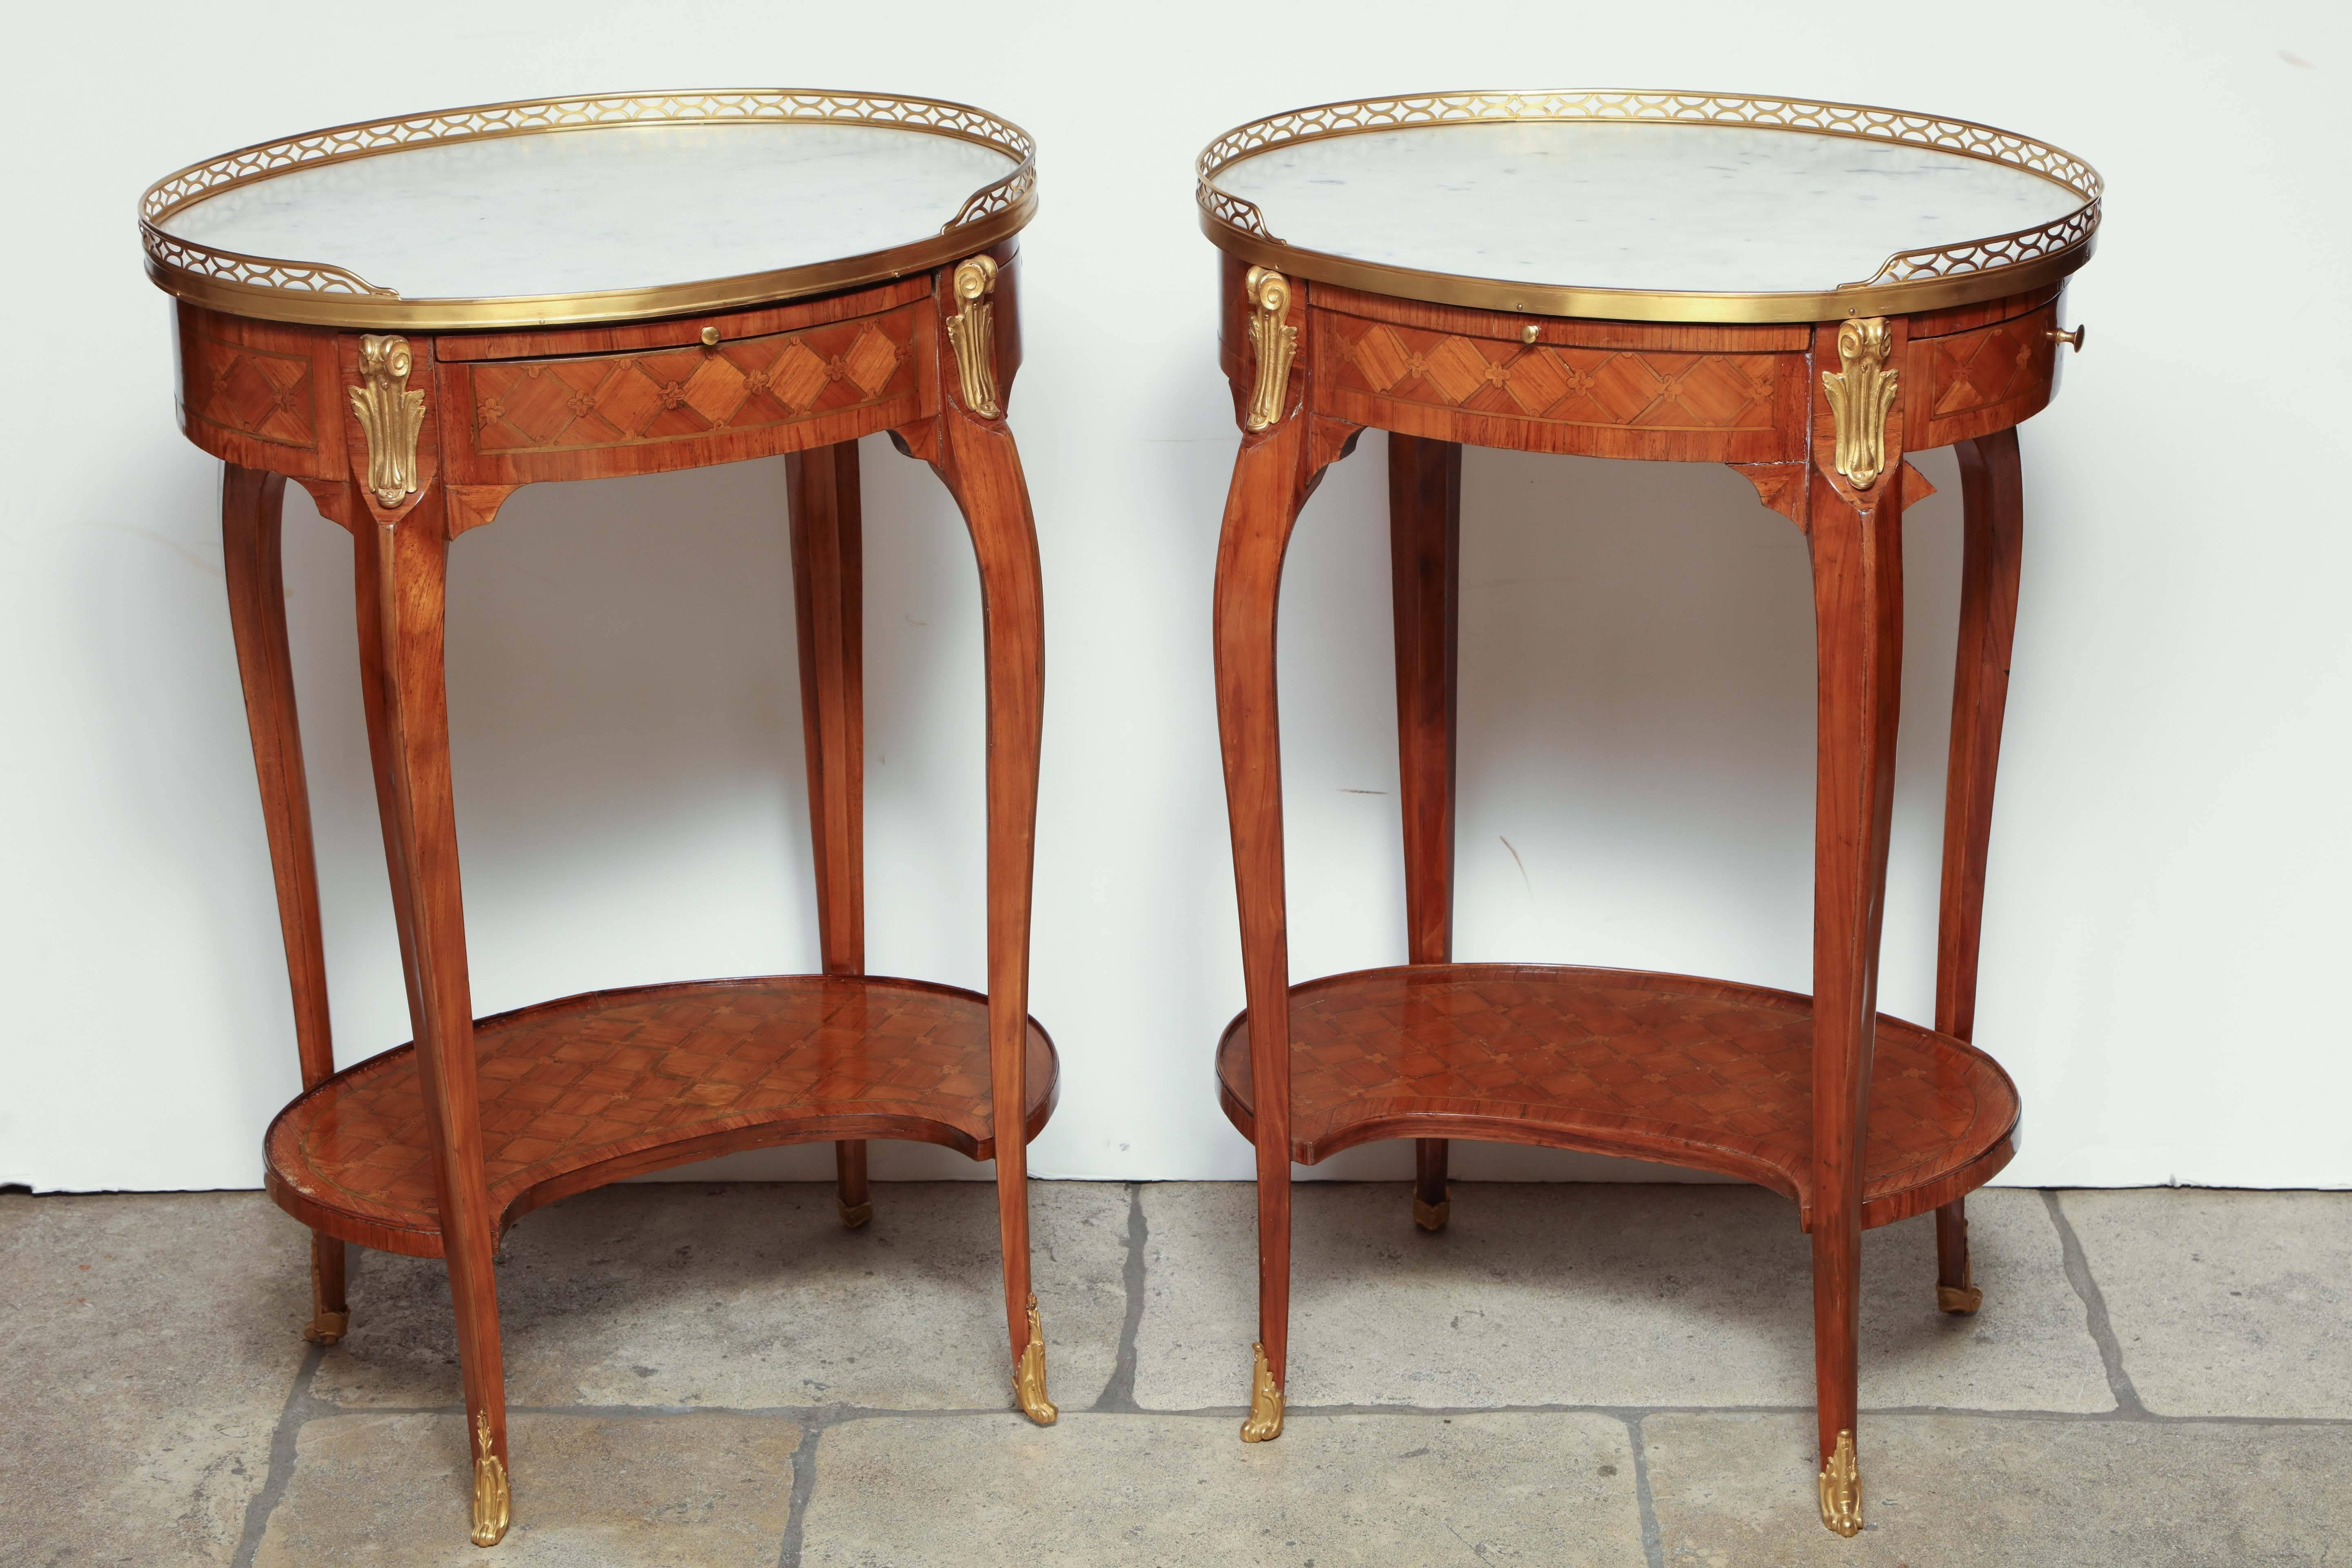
pixel 322 294
pixel 1963 273
pixel 1642 304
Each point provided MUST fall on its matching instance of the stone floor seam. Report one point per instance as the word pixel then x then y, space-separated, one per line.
pixel 1654 1541
pixel 301 1406
pixel 2094 1306
pixel 657 1379
pixel 1118 1396
pixel 788 1553
pixel 840 1415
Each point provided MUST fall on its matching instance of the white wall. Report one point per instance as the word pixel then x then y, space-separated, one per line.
pixel 2166 918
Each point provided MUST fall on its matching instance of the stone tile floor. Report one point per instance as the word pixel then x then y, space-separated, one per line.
pixel 1568 1374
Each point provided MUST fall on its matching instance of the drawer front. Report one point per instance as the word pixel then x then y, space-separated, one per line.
pixel 643 410
pixel 1972 384
pixel 1602 401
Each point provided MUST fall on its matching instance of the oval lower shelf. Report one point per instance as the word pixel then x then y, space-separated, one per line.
pixel 579 1092
pixel 1700 1073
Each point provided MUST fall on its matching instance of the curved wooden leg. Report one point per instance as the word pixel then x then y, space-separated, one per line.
pixel 251 504
pixel 1271 477
pixel 1425 578
pixel 828 604
pixel 1992 497
pixel 1858 556
pixel 981 469
pixel 402 571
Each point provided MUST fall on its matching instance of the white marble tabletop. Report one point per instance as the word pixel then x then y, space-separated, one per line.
pixel 617 206
pixel 1686 208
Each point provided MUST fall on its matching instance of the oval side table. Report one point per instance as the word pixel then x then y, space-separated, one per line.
pixel 1805 291
pixel 568 289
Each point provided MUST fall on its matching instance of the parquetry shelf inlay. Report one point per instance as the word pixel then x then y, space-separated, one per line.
pixel 1595 1051
pixel 572 1082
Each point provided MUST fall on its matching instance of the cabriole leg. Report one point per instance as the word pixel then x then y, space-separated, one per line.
pixel 1425 576
pixel 402 576
pixel 1992 499
pixel 251 516
pixel 981 468
pixel 1857 563
pixel 828 602
pixel 1269 485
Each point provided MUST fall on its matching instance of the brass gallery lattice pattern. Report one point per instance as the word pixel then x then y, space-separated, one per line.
pixel 253 391
pixel 1609 387
pixel 574 1083
pixel 494 120
pixel 1859 122
pixel 558 406
pixel 1711 1065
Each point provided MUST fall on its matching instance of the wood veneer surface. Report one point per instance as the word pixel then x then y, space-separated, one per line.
pixel 1695 1072
pixel 593 1079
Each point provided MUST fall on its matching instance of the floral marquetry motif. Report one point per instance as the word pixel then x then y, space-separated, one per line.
pixel 620 400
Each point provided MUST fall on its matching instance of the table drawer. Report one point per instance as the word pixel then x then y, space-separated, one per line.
pixel 643 410
pixel 1971 384
pixel 1604 401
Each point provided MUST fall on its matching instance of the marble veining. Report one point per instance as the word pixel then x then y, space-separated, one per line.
pixel 1699 208
pixel 624 206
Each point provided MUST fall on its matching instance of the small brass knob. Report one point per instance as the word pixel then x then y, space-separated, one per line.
pixel 710 337
pixel 1527 333
pixel 2073 340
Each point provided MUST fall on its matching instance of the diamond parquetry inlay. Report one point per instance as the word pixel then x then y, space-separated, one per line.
pixel 570 1083
pixel 1977 369
pixel 1611 387
pixel 1594 1052
pixel 253 391
pixel 622 400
